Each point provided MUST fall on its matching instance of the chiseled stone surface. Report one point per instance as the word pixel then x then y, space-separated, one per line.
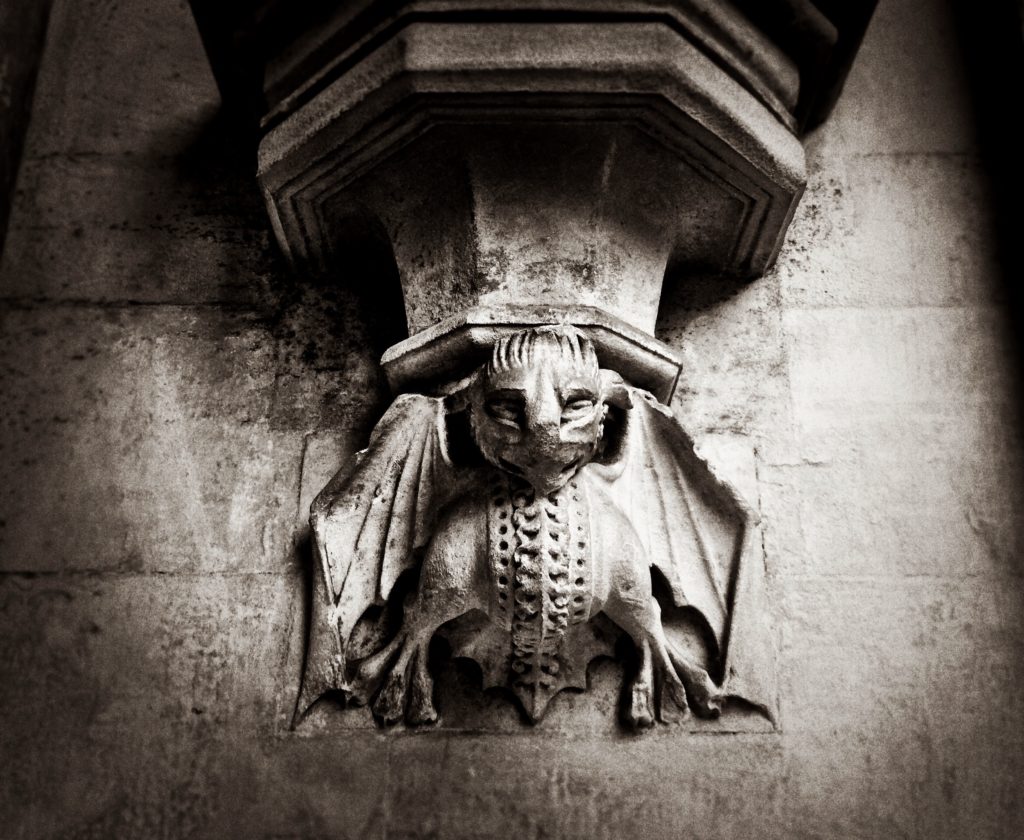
pixel 171 398
pixel 561 520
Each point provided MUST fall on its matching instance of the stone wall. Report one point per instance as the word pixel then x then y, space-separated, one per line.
pixel 172 397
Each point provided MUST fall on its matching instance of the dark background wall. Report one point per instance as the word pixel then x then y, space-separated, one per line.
pixel 22 30
pixel 170 399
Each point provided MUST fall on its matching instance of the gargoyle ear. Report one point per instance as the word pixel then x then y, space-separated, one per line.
pixel 614 390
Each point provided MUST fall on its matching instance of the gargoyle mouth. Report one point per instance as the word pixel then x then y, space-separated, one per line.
pixel 544 478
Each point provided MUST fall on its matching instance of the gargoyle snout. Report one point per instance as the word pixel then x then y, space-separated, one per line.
pixel 545 437
pixel 544 422
pixel 547 461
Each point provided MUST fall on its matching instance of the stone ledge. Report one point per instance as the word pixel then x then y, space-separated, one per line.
pixel 724 34
pixel 452 348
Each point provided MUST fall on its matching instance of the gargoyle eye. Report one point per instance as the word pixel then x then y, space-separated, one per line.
pixel 508 410
pixel 578 406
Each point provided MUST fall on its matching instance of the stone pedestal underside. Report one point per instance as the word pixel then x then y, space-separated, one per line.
pixel 534 170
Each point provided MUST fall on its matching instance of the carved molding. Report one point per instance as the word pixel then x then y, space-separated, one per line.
pixel 642 86
pixel 679 120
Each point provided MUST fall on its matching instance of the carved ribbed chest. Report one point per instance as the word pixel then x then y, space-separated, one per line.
pixel 540 558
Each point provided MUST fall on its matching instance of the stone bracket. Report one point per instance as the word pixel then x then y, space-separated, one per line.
pixel 453 348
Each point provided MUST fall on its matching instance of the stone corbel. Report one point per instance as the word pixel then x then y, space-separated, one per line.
pixel 534 504
pixel 535 168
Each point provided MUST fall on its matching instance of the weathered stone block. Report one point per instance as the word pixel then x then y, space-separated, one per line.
pixel 586 788
pixel 920 359
pixel 733 351
pixel 130 80
pixel 144 439
pixel 909 80
pixel 133 652
pixel 109 228
pixel 907 229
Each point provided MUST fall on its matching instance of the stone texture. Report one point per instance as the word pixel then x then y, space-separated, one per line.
pixel 135 650
pixel 584 788
pixel 134 460
pixel 201 222
pixel 582 489
pixel 627 137
pixel 869 377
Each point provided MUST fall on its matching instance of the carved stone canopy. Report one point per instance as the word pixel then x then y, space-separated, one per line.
pixel 271 56
pixel 534 169
pixel 555 151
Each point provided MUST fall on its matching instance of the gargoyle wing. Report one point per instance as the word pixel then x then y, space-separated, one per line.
pixel 700 535
pixel 367 525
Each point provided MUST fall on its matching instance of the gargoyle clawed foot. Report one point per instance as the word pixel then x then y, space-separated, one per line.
pixel 682 685
pixel 403 685
pixel 703 695
pixel 681 682
pixel 640 713
pixel 662 666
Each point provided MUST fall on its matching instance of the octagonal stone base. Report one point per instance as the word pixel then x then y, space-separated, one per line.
pixel 511 162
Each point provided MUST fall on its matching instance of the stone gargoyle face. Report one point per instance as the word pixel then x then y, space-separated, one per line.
pixel 539 406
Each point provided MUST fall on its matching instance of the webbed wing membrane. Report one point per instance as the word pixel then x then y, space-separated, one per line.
pixel 367 525
pixel 700 535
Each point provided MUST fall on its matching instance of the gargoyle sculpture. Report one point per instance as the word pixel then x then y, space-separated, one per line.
pixel 537 496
